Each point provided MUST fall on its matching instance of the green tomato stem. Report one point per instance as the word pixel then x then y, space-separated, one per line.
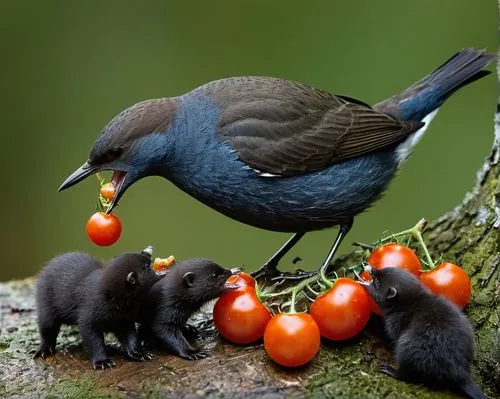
pixel 419 227
pixel 421 241
pixel 290 290
pixel 310 289
pixel 100 178
pixel 415 232
pixel 324 279
pixel 292 302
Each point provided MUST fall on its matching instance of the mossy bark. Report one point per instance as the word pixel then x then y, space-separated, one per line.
pixel 469 235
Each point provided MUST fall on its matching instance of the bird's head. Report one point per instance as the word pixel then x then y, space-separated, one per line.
pixel 133 145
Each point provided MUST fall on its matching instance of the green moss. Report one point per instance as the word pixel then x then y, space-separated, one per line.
pixel 83 387
pixel 3 389
pixel 352 371
pixel 154 389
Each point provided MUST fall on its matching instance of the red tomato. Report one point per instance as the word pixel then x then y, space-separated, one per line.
pixel 240 317
pixel 107 191
pixel 392 255
pixel 243 280
pixel 395 255
pixel 343 311
pixel 292 339
pixel 104 229
pixel 374 307
pixel 450 281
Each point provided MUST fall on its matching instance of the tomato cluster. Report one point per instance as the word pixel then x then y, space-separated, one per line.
pixel 291 339
pixel 447 279
pixel 341 312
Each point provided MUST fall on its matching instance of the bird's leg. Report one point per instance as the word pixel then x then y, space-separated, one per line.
pixel 270 268
pixel 344 229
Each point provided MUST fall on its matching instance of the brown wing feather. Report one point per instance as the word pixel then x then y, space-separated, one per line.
pixel 285 128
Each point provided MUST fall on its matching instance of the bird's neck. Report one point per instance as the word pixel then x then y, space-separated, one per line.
pixel 193 142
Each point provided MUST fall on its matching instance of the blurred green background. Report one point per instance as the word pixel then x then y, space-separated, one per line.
pixel 68 67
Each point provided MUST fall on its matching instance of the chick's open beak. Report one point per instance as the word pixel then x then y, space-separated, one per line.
pixel 78 175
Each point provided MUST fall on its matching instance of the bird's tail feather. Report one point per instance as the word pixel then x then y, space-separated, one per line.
pixel 430 92
pixel 461 69
pixel 472 390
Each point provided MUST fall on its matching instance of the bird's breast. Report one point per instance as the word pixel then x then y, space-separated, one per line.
pixel 211 172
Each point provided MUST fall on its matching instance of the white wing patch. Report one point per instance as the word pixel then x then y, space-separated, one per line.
pixel 404 149
pixel 266 174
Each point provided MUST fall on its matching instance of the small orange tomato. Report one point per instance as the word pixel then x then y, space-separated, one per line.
pixel 107 191
pixel 104 229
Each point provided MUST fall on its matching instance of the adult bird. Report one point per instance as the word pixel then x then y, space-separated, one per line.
pixel 276 154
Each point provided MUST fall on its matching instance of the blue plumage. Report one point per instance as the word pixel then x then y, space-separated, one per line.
pixel 218 178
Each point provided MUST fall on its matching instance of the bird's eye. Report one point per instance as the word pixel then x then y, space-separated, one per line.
pixel 214 275
pixel 115 152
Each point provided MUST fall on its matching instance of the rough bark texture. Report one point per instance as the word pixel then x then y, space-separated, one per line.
pixel 469 235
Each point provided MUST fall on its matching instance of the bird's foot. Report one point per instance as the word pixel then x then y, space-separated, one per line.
pixel 299 275
pixel 267 270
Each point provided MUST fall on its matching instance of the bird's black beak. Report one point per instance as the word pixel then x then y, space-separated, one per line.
pixel 78 175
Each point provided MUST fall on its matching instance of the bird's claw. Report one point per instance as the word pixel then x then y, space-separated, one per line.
pixel 267 270
pixel 103 364
pixel 299 275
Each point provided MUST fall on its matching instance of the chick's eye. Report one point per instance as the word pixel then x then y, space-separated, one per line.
pixel 214 275
pixel 115 152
